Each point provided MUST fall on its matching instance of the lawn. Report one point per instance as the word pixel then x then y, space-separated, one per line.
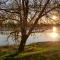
pixel 36 51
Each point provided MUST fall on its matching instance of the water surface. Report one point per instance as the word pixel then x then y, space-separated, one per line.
pixel 49 35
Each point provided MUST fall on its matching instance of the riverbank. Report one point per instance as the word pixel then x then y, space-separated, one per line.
pixel 36 51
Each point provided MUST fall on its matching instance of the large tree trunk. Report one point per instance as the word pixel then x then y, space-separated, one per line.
pixel 22 43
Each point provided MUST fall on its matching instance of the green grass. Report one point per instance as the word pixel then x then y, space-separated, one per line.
pixel 37 51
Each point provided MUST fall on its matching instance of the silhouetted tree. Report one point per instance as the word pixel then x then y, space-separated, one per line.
pixel 27 11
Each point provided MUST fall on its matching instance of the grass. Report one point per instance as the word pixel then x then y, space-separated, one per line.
pixel 37 51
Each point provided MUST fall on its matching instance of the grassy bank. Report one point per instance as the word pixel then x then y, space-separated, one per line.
pixel 37 51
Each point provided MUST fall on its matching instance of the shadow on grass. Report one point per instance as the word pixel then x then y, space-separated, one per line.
pixel 11 56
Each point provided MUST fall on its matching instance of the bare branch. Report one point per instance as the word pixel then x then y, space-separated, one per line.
pixel 39 16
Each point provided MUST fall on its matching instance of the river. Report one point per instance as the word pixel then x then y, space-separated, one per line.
pixel 49 35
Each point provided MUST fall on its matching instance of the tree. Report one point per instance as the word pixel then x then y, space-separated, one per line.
pixel 27 11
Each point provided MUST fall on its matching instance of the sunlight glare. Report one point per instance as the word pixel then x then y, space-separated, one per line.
pixel 54 35
pixel 54 17
pixel 54 29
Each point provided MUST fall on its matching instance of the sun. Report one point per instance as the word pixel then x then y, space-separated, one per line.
pixel 54 17
pixel 54 29
pixel 54 34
